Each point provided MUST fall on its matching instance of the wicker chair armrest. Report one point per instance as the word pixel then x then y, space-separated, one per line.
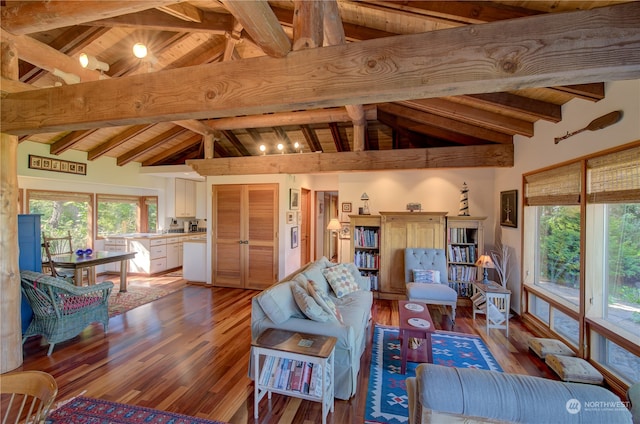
pixel 80 290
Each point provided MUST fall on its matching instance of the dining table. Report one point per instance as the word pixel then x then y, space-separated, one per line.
pixel 100 257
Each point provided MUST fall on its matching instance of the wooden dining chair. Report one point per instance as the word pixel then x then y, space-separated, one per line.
pixel 26 396
pixel 52 246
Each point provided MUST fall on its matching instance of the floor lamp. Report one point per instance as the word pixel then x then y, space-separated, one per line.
pixel 335 226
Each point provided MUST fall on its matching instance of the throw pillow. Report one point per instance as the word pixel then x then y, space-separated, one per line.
pixel 426 276
pixel 324 301
pixel 314 272
pixel 341 280
pixel 278 304
pixel 308 305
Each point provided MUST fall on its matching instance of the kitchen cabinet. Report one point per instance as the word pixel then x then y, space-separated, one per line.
pixel 114 245
pixel 401 230
pixel 185 198
pixel 173 253
pixel 195 261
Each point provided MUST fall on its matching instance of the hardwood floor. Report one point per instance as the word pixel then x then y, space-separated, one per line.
pixel 188 353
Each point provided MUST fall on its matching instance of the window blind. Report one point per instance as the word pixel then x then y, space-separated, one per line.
pixel 59 196
pixel 558 186
pixel 118 198
pixel 615 177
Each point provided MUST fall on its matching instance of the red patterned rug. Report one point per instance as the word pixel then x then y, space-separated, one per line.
pixel 83 410
pixel 136 295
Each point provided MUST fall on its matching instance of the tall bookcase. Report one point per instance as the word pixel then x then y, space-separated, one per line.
pixel 365 246
pixel 465 243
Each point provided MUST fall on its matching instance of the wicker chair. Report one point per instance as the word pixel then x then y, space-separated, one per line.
pixel 60 309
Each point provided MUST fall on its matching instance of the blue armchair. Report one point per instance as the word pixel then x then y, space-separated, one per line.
pixel 432 293
pixel 60 309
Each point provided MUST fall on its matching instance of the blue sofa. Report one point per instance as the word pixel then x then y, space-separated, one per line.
pixel 276 308
pixel 495 396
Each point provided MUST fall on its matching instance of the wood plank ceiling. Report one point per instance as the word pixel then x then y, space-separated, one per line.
pixel 50 35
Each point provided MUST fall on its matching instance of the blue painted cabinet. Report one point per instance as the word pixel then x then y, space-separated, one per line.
pixel 30 256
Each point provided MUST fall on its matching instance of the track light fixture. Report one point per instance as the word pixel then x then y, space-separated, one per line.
pixel 67 77
pixel 90 62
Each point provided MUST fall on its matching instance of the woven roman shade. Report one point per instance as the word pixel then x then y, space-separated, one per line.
pixel 614 178
pixel 59 196
pixel 558 186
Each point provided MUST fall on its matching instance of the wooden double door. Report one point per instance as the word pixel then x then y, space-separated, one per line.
pixel 245 235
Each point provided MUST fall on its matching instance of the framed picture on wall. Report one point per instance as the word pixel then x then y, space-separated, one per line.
pixel 294 198
pixel 291 217
pixel 294 237
pixel 346 207
pixel 509 208
pixel 345 231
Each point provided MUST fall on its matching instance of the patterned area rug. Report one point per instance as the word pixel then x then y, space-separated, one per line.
pixel 137 294
pixel 387 393
pixel 83 410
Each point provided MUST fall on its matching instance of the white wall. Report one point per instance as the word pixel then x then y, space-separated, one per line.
pixel 540 151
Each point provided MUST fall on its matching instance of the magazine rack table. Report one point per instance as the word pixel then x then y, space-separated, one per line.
pixel 282 352
pixel 494 301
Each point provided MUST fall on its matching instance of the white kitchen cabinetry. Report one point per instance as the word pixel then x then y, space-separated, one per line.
pixel 173 253
pixel 185 198
pixel 114 245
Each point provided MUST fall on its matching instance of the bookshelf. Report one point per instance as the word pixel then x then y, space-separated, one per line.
pixel 365 246
pixel 294 364
pixel 465 243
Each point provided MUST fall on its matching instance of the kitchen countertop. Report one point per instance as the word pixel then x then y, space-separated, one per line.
pixel 155 235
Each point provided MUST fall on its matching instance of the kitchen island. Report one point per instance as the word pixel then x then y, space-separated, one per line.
pixel 156 252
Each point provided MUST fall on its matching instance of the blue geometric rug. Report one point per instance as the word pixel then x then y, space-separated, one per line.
pixel 387 392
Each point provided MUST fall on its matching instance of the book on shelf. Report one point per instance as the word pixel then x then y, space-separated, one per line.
pixel 284 375
pixel 306 377
pixel 366 237
pixel 296 379
pixel 267 367
pixel 275 372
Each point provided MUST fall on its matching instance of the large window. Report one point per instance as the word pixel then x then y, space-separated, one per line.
pixel 63 212
pixel 581 257
pixel 119 214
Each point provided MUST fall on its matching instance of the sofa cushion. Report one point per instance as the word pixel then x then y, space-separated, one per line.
pixel 341 280
pixel 325 302
pixel 426 276
pixel 278 303
pixel 314 273
pixel 308 305
pixel 570 368
pixel 433 292
pixel 542 347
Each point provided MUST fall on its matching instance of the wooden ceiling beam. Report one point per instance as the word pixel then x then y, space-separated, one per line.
pixel 427 65
pixel 592 92
pixel 183 11
pixel 116 141
pixel 403 125
pixel 446 123
pixel 475 116
pixel 282 135
pixel 338 141
pixel 454 12
pixel 174 150
pixel 309 117
pixel 38 16
pixel 520 104
pixel 69 140
pixel 235 142
pixel 311 138
pixel 370 160
pixel 211 23
pixel 154 143
pixel 257 18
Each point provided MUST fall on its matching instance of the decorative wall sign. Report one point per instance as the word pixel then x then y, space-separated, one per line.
pixel 57 165
pixel 509 208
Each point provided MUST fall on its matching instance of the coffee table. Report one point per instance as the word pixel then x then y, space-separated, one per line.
pixel 415 321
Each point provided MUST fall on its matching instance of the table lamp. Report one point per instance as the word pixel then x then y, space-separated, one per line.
pixel 485 262
pixel 335 226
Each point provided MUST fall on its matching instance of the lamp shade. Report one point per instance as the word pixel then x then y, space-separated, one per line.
pixel 364 196
pixel 485 261
pixel 334 224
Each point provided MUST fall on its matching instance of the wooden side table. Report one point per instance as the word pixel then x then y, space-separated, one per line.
pixel 497 295
pixel 273 375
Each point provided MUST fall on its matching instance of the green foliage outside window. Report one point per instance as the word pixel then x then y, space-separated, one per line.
pixel 58 217
pixel 117 218
pixel 560 245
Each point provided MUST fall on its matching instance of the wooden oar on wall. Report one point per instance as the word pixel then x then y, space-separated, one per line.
pixel 597 124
